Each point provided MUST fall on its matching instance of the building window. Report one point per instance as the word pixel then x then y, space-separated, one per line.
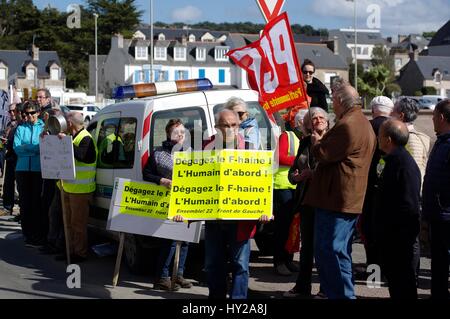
pixel 179 54
pixel 141 53
pixel 201 73
pixel 181 75
pixel 398 64
pixel 220 53
pixel 2 73
pixel 200 54
pixel 328 77
pixel 54 74
pixel 162 76
pixel 161 37
pixel 31 74
pixel 139 76
pixel 221 76
pixel 160 53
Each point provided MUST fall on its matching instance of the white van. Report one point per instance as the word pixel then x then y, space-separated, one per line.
pixel 141 126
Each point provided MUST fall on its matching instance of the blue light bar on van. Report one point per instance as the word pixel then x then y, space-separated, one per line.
pixel 157 88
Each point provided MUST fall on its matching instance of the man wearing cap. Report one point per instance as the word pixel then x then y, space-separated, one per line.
pixel 382 107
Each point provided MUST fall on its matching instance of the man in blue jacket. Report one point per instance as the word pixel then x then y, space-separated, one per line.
pixel 28 175
pixel 436 201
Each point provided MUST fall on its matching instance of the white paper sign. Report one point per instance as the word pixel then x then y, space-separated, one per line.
pixel 57 159
pixel 132 224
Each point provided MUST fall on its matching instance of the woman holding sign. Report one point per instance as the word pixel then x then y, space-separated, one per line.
pixel 159 171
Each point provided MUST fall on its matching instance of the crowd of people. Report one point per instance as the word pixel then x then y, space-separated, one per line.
pixel 41 200
pixel 374 177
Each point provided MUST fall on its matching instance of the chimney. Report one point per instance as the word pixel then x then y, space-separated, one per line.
pixel 35 52
pixel 335 45
pixel 413 54
pixel 184 39
pixel 117 41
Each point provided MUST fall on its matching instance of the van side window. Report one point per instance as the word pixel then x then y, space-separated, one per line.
pixel 193 119
pixel 116 143
pixel 107 138
pixel 127 132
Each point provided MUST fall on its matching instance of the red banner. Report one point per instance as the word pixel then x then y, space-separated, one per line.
pixel 272 66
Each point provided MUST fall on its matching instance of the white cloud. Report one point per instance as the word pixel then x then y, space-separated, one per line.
pixel 186 14
pixel 397 16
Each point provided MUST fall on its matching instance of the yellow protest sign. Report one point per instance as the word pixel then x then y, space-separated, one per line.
pixel 143 199
pixel 226 184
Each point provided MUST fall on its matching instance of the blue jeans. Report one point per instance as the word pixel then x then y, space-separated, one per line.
pixel 166 255
pixel 220 243
pixel 333 235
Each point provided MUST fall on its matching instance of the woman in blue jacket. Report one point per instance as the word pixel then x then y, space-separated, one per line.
pixel 28 176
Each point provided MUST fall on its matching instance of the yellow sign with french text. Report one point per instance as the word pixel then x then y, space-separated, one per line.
pixel 226 184
pixel 143 199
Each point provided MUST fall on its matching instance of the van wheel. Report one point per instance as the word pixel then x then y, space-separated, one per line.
pixel 138 259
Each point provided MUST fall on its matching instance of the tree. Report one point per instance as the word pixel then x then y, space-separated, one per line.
pixel 115 16
pixel 429 34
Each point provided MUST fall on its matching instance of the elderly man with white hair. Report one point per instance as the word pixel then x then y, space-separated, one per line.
pixel 382 107
pixel 78 193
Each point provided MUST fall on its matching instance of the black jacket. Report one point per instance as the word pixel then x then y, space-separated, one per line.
pixel 318 92
pixel 397 218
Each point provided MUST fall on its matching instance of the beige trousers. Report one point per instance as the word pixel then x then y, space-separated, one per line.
pixel 76 207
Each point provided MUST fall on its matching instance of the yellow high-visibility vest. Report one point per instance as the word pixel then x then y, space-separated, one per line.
pixel 84 181
pixel 280 178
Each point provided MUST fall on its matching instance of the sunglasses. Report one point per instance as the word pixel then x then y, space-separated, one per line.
pixel 30 113
pixel 11 111
pixel 308 72
pixel 241 114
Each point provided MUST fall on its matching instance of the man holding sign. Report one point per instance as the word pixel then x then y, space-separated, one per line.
pixel 78 192
pixel 233 236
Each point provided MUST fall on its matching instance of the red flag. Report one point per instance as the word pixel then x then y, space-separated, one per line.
pixel 272 66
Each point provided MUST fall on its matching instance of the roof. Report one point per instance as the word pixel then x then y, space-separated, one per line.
pixel 442 36
pixel 363 36
pixel 428 64
pixel 16 60
pixel 190 54
pixel 176 34
pixel 417 40
pixel 319 53
pixel 322 57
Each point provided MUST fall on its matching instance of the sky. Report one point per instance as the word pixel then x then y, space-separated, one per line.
pixel 395 16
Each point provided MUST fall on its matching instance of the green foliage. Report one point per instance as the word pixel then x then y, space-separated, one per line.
pixel 242 27
pixel 21 21
pixel 429 34
pixel 351 73
pixel 418 93
pixel 374 81
pixel 429 90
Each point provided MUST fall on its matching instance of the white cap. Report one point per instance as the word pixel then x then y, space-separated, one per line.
pixel 382 103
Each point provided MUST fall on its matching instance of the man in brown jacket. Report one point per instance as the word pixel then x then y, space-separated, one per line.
pixel 337 189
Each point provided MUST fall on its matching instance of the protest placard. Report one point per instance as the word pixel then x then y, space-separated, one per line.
pixel 141 208
pixel 143 199
pixel 57 157
pixel 226 184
